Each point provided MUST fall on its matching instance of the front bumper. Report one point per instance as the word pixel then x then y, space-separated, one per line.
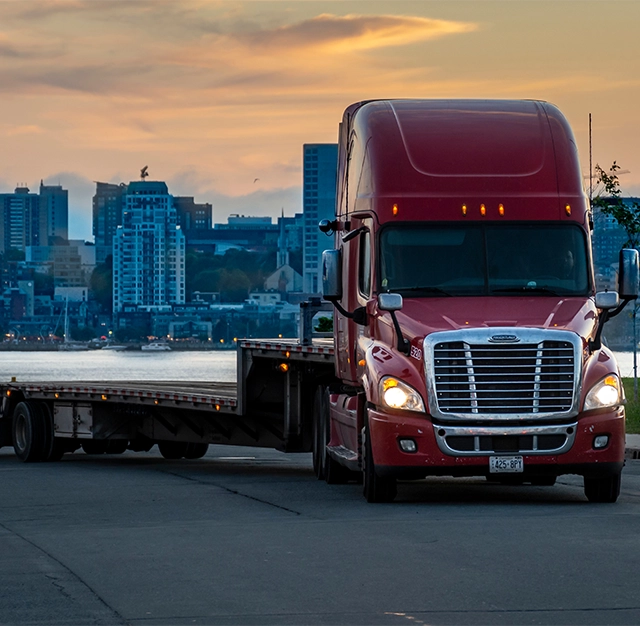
pixel 430 460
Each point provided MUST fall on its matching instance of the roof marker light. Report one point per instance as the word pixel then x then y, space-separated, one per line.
pixel 501 209
pixel 483 209
pixel 395 209
pixel 567 209
pixel 464 209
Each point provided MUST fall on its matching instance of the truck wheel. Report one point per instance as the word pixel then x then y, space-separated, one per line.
pixel 172 449
pixel 196 450
pixel 604 489
pixel 375 488
pixel 54 447
pixel 28 432
pixel 319 440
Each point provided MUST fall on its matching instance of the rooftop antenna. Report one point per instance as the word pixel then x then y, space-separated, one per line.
pixel 143 172
pixel 590 165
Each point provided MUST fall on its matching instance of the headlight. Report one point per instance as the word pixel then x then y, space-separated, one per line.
pixel 606 393
pixel 398 395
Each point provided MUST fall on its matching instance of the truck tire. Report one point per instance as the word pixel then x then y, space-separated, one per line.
pixel 28 432
pixel 196 450
pixel 334 472
pixel 54 447
pixel 173 449
pixel 603 489
pixel 319 440
pixel 375 488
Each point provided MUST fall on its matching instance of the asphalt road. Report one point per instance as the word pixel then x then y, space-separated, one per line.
pixel 246 536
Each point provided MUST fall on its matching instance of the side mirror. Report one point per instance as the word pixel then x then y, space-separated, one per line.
pixel 628 274
pixel 390 301
pixel 332 275
pixel 607 300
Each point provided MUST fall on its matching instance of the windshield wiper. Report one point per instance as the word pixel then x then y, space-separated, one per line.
pixel 544 290
pixel 424 291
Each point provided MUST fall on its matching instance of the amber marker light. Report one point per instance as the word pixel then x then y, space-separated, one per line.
pixel 395 209
pixel 567 209
pixel 283 367
pixel 217 407
pixel 361 362
pixel 483 209
pixel 104 397
pixel 501 209
pixel 464 209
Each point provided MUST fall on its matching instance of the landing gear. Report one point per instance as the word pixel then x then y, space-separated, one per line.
pixel 603 489
pixel 173 449
pixel 375 488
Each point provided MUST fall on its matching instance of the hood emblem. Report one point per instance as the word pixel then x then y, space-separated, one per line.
pixel 504 339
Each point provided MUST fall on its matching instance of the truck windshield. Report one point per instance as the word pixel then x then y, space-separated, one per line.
pixel 483 259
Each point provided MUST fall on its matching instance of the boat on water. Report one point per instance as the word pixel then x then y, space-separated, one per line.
pixel 114 346
pixel 156 346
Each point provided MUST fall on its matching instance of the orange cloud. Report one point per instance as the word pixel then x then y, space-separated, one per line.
pixel 354 32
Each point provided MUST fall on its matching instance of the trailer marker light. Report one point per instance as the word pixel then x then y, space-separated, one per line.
pixel 217 407
pixel 464 209
pixel 156 401
pixel 408 445
pixel 8 392
pixel 104 397
pixel 56 395
pixel 395 209
pixel 483 209
pixel 283 367
pixel 501 209
pixel 567 209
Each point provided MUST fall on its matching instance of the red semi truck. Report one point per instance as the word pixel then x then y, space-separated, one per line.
pixel 467 327
pixel 467 330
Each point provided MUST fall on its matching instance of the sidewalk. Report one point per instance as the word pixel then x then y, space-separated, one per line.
pixel 632 448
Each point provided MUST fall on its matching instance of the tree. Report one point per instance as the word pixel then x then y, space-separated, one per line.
pixel 610 202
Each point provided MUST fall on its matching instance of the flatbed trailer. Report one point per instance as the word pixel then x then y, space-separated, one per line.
pixel 271 405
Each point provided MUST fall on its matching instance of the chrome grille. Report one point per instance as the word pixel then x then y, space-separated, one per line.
pixel 504 379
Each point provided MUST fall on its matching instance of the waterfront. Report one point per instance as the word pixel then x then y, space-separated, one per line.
pixel 102 365
pixel 99 365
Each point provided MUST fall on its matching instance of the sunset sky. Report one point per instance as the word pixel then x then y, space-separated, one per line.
pixel 212 95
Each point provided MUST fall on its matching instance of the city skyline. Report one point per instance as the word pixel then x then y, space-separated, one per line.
pixel 218 98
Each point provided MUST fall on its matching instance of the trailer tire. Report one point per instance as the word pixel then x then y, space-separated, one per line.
pixel 196 450
pixel 54 447
pixel 375 488
pixel 28 432
pixel 603 489
pixel 173 449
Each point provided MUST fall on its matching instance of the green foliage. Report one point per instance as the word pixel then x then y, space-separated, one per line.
pixel 609 200
pixel 632 409
pixel 233 274
pixel 325 325
pixel 132 333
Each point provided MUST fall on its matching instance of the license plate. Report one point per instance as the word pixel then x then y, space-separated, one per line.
pixel 506 465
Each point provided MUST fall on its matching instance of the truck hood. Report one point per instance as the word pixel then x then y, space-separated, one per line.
pixel 422 316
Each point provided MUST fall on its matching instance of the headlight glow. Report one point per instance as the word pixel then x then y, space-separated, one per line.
pixel 398 395
pixel 604 394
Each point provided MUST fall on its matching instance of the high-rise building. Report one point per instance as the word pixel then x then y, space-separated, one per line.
pixel 19 220
pixel 193 216
pixel 107 216
pixel 320 164
pixel 54 215
pixel 148 250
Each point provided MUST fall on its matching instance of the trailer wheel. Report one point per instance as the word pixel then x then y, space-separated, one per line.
pixel 375 488
pixel 173 449
pixel 196 450
pixel 603 489
pixel 54 447
pixel 28 432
